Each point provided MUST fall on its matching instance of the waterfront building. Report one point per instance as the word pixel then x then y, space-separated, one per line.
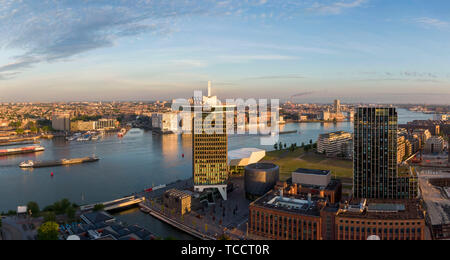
pixel 331 116
pixel 240 158
pixel 260 178
pixel 334 144
pixel 82 126
pixel 178 201
pixel 210 145
pixel 434 144
pixel 106 124
pixel 337 106
pixel 376 174
pixel 61 122
pixel 385 219
pixel 165 122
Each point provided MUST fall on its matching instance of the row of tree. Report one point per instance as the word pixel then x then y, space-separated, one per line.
pixel 280 146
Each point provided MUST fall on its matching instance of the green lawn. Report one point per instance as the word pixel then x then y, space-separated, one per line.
pixel 290 161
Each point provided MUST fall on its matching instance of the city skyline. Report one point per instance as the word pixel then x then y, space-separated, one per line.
pixel 312 51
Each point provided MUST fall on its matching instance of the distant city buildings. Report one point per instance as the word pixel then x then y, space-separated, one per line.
pixel 165 122
pixel 435 144
pixel 61 122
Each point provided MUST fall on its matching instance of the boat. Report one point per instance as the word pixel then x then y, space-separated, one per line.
pixel 122 132
pixel 145 210
pixel 74 137
pixel 23 150
pixel 62 162
pixel 86 137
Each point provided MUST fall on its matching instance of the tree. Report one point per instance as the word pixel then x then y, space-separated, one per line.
pixel 70 212
pixel 49 217
pixel 33 207
pixel 99 207
pixel 48 231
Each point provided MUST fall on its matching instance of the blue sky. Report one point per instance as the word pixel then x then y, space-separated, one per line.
pixel 305 50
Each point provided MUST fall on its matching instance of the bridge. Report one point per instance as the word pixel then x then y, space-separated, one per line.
pixel 116 204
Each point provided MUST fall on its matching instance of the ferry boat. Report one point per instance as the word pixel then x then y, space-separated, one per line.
pixel 22 150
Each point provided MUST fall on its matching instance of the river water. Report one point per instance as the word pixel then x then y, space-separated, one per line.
pixel 138 161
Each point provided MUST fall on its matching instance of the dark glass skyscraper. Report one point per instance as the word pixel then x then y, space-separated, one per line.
pixel 376 173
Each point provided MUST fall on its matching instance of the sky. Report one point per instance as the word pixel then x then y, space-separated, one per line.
pixel 372 51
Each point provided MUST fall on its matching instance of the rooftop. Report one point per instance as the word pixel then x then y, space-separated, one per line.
pixel 291 204
pixel 383 210
pixel 262 166
pixel 312 172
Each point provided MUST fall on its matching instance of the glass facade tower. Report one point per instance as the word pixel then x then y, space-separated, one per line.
pixel 376 173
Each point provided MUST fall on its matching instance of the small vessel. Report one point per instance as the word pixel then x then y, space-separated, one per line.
pixel 73 137
pixel 122 132
pixel 62 162
pixel 23 150
pixel 145 210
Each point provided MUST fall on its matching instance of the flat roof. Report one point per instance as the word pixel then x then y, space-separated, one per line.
pixel 262 166
pixel 312 171
pixel 386 210
pixel 294 204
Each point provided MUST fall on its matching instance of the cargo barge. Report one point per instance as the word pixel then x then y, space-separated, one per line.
pixel 18 143
pixel 62 162
pixel 22 150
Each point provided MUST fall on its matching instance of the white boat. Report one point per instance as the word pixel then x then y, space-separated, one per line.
pixel 27 164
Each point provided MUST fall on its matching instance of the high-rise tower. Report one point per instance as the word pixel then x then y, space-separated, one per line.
pixel 376 173
pixel 210 145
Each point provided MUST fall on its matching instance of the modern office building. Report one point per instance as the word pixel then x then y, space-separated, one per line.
pixel 334 144
pixel 210 145
pixel 375 173
pixel 384 219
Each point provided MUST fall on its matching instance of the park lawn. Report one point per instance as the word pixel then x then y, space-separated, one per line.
pixel 291 161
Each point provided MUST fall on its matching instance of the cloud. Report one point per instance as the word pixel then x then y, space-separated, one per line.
pixel 276 77
pixel 335 7
pixel 432 22
pixel 252 58
pixel 58 30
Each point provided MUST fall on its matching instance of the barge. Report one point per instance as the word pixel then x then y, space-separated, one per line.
pixel 22 150
pixel 62 162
